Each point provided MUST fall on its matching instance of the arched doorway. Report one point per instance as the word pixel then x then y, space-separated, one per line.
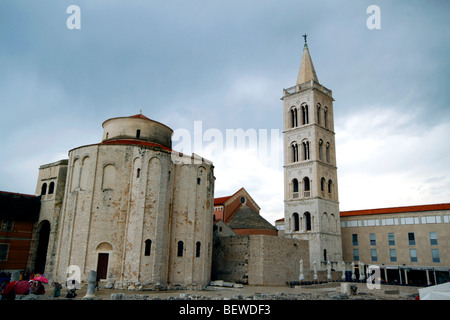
pixel 43 235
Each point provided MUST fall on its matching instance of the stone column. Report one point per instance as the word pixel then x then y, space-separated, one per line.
pixel 91 285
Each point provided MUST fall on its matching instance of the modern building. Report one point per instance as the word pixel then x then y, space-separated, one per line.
pixel 18 215
pixel 311 202
pixel 410 244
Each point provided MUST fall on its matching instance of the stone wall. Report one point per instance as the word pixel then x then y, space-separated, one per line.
pixel 259 259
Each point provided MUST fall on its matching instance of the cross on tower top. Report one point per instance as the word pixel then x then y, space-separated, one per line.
pixel 304 36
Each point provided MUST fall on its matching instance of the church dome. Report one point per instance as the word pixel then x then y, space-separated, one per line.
pixel 137 127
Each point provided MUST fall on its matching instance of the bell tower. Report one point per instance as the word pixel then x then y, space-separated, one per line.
pixel 311 202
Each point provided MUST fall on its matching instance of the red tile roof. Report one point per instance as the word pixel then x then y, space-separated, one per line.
pixel 140 115
pixel 419 208
pixel 136 142
pixel 222 200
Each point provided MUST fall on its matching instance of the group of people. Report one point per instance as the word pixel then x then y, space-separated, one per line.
pixel 8 287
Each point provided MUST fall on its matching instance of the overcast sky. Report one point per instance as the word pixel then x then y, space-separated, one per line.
pixel 225 64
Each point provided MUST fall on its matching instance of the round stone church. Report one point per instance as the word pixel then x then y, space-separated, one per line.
pixel 134 210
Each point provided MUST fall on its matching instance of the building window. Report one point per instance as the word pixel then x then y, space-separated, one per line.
pixel 305 150
pixel 294 147
pixel 294 188
pixel 44 189
pixel 373 255
pixel 318 114
pixel 138 173
pixel 197 249
pixel 327 152
pixel 393 255
pixel 308 221
pixel 413 255
pixel 296 221
pixel 320 149
pixel 294 122
pixel 138 133
pixel 322 184
pixel 325 117
pixel 306 187
pixel 373 241
pixel 180 249
pixel 355 254
pixel 51 187
pixel 433 238
pixel 305 117
pixel 6 224
pixel 4 251
pixel 435 255
pixel 355 239
pixel 411 239
pixel 391 239
pixel 330 186
pixel 148 247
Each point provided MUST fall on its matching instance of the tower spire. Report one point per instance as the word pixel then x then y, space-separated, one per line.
pixel 307 71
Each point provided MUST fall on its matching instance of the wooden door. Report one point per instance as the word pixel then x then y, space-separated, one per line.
pixel 102 265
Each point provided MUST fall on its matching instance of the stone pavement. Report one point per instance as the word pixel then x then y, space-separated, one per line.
pixel 326 291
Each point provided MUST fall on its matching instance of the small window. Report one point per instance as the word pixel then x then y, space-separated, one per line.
pixel 391 239
pixel 373 241
pixel 44 189
pixel 242 199
pixel 308 221
pixel 373 255
pixel 6 224
pixel 393 255
pixel 138 173
pixel 435 255
pixel 296 221
pixel 148 247
pixel 4 251
pixel 198 181
pixel 180 249
pixel 433 238
pixel 51 187
pixel 355 239
pixel 295 185
pixel 355 254
pixel 411 239
pixel 413 255
pixel 138 133
pixel 197 249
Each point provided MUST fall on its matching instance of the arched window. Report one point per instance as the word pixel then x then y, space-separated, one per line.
pixel 307 216
pixel 51 187
pixel 148 247
pixel 138 133
pixel 294 122
pixel 322 184
pixel 294 147
pixel 305 150
pixel 330 185
pixel 319 112
pixel 325 117
pixel 320 149
pixel 197 249
pixel 306 187
pixel 328 152
pixel 44 189
pixel 295 185
pixel 295 222
pixel 294 188
pixel 305 117
pixel 138 172
pixel 180 248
